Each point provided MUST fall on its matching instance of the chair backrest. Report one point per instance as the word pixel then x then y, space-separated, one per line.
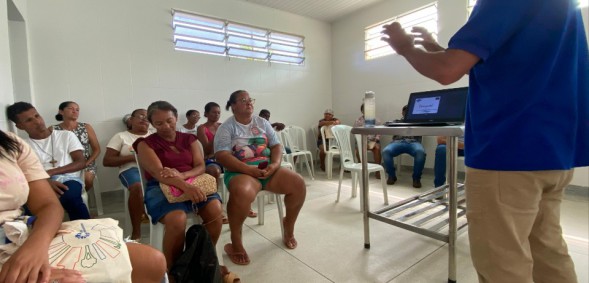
pixel 141 174
pixel 286 140
pixel 280 136
pixel 359 146
pixel 298 138
pixel 342 136
pixel 315 131
pixel 333 144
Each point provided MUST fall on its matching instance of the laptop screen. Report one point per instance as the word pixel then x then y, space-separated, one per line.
pixel 446 105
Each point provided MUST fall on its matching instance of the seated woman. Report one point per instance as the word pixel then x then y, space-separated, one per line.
pixel 69 112
pixel 192 117
pixel 21 173
pixel 118 154
pixel 206 135
pixel 170 157
pixel 248 148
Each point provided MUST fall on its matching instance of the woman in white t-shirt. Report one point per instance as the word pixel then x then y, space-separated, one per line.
pixel 23 180
pixel 119 154
pixel 192 118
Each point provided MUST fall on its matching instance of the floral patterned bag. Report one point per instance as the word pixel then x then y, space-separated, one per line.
pixel 205 182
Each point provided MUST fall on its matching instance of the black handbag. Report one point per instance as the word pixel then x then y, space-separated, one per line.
pixel 198 262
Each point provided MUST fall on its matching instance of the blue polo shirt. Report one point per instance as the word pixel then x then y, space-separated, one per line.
pixel 529 93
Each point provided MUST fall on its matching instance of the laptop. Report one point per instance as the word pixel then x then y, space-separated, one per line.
pixel 445 107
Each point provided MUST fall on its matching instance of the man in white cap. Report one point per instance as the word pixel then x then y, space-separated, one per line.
pixel 328 120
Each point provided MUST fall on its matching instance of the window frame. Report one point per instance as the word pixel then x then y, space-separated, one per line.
pixel 203 34
pixel 376 48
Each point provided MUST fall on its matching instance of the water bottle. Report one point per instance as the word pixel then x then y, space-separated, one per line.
pixel 369 109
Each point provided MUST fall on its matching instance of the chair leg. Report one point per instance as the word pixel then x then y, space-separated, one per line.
pixel 339 187
pixel 221 188
pixel 328 165
pixel 156 236
pixel 354 182
pixel 279 204
pixel 309 167
pixel 384 188
pixel 97 196
pixel 85 198
pixel 128 225
pixel 312 165
pixel 260 199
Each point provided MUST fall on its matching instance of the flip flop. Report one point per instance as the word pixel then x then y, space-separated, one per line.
pixel 290 244
pixel 231 278
pixel 235 256
pixel 252 214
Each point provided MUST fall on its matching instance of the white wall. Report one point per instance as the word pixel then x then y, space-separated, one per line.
pixel 19 58
pixel 114 56
pixel 391 77
pixel 5 70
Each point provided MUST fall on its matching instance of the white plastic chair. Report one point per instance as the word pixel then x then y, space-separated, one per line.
pixel 97 195
pixel 299 139
pixel 342 135
pixel 399 161
pixel 315 132
pixel 288 136
pixel 156 231
pixel 261 199
pixel 84 192
pixel 128 225
pixel 330 151
pixel 220 184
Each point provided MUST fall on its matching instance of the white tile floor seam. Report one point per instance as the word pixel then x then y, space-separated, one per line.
pixel 331 239
pixel 280 246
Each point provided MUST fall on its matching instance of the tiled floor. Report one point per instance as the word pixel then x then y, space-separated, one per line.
pixel 331 246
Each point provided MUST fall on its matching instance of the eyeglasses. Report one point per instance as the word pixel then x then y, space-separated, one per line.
pixel 246 101
pixel 141 117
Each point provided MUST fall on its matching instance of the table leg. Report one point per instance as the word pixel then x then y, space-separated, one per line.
pixel 364 200
pixel 451 146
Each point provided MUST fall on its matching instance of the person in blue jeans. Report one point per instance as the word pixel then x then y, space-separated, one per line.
pixel 440 162
pixel 60 153
pixel 404 144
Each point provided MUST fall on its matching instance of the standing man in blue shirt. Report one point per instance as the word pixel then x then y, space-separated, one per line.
pixel 527 60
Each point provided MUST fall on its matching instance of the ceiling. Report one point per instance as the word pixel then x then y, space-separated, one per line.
pixel 323 10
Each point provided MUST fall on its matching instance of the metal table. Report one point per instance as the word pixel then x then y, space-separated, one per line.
pixel 427 213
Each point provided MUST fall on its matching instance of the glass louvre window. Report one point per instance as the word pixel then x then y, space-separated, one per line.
pixel 201 34
pixel 199 47
pixel 426 17
pixel 198 34
pixel 248 54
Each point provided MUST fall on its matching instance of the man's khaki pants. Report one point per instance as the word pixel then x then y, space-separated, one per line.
pixel 514 226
